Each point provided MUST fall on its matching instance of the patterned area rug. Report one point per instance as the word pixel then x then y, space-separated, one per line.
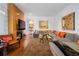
pixel 37 48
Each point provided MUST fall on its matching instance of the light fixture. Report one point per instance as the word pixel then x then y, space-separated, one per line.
pixel 30 22
pixel 18 13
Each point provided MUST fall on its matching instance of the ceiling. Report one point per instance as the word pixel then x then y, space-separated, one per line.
pixel 41 9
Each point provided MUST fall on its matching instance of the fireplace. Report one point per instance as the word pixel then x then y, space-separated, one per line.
pixel 19 34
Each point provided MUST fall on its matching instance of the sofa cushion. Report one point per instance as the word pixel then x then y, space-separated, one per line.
pixel 71 36
pixel 62 34
pixel 77 41
pixel 54 37
pixel 55 50
pixel 7 39
pixel 57 34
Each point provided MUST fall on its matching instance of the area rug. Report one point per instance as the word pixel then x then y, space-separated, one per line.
pixel 37 48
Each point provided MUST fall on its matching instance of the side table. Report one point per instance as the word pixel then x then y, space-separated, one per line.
pixel 3 49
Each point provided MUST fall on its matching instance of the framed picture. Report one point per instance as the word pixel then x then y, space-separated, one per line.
pixel 68 22
pixel 30 25
pixel 43 24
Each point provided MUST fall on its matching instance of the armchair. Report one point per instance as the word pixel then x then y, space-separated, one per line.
pixel 9 41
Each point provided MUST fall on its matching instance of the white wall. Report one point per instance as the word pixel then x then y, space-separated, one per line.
pixel 65 11
pixel 36 20
pixel 3 19
pixel 55 22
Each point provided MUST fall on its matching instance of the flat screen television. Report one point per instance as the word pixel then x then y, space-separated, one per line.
pixel 21 24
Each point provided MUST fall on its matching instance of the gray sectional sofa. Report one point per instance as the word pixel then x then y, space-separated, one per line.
pixel 68 41
pixel 55 50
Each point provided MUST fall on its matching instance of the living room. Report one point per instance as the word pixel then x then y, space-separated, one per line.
pixel 39 29
pixel 59 23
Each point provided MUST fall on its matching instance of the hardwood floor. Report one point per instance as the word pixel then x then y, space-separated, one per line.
pixel 32 47
pixel 18 51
